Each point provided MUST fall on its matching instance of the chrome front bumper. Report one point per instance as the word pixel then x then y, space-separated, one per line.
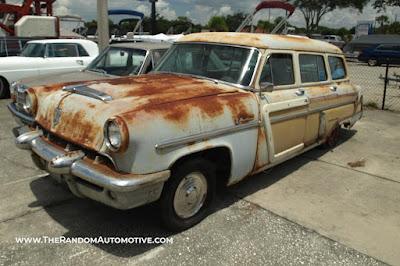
pixel 88 179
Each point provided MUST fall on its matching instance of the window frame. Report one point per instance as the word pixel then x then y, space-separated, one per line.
pixel 47 49
pixel 328 78
pixel 344 65
pixel 272 52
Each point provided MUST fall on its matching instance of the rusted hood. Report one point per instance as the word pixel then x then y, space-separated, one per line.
pixel 81 118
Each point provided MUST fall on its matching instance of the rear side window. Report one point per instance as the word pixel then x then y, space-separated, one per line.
pixel 278 70
pixel 82 51
pixel 312 68
pixel 62 50
pixel 336 64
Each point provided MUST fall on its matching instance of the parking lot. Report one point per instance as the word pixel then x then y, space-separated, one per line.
pixel 314 209
pixel 371 81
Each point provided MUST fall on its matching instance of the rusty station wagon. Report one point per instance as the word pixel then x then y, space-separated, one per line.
pixel 218 108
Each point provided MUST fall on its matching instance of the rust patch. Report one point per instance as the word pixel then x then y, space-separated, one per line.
pixel 261 148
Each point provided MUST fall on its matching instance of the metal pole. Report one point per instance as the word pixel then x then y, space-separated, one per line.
pixel 386 82
pixel 102 24
pixel 153 17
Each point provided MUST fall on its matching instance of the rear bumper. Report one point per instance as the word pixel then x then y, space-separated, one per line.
pixel 85 178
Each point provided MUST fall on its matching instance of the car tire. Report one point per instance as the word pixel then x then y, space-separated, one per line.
pixel 188 196
pixel 373 62
pixel 4 89
pixel 333 139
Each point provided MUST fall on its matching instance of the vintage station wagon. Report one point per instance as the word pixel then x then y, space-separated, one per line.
pixel 218 108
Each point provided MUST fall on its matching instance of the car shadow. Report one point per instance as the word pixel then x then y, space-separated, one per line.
pixel 87 218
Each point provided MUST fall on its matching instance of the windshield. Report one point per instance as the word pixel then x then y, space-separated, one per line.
pixel 33 50
pixel 119 61
pixel 221 62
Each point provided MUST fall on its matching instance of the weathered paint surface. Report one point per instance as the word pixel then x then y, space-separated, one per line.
pixel 263 41
pixel 170 97
pixel 163 107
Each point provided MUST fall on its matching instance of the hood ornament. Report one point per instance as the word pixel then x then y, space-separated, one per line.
pixel 57 116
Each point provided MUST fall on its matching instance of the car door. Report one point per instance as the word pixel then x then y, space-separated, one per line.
pixel 284 108
pixel 62 57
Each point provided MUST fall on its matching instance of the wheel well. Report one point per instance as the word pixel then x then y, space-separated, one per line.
pixel 7 85
pixel 220 157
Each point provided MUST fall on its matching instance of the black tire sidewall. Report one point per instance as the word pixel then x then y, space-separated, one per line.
pixel 169 217
pixel 4 90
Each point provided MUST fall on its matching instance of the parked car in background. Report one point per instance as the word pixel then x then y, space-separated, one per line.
pixel 377 55
pixel 42 57
pixel 12 46
pixel 332 39
pixel 123 59
pixel 219 107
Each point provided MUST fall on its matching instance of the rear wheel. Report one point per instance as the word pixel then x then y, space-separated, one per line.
pixel 373 62
pixel 333 138
pixel 4 89
pixel 188 196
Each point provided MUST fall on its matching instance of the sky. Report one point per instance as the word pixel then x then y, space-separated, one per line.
pixel 200 11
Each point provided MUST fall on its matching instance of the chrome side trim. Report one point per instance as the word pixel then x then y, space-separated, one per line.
pixel 205 135
pixel 24 118
pixel 281 118
pixel 89 92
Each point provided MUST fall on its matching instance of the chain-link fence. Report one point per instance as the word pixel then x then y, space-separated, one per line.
pixel 372 81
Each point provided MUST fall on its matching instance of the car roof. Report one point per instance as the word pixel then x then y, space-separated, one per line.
pixel 143 45
pixel 61 41
pixel 263 41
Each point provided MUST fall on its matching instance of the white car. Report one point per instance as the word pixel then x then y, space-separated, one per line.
pixel 41 57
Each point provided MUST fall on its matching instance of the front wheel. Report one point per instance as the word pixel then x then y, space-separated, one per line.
pixel 188 196
pixel 4 90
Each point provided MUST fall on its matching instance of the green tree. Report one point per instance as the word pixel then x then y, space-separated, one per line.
pixel 217 23
pixel 382 4
pixel 382 20
pixel 314 10
pixel 234 21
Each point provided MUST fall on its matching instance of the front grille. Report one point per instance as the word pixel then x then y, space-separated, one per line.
pixel 20 97
pixel 67 146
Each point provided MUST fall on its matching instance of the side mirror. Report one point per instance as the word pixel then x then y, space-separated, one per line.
pixel 266 87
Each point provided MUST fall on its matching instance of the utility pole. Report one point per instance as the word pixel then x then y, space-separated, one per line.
pixel 102 24
pixel 153 17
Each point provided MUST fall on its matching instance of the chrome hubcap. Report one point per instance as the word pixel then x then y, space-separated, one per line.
pixel 190 195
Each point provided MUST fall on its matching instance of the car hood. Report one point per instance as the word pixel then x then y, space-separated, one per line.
pixel 17 62
pixel 81 118
pixel 75 76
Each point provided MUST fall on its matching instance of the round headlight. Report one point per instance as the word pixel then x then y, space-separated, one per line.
pixel 116 135
pixel 30 103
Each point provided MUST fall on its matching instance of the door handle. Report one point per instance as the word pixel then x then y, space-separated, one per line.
pixel 300 92
pixel 333 88
pixel 79 62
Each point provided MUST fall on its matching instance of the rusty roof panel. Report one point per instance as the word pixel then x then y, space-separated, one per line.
pixel 263 41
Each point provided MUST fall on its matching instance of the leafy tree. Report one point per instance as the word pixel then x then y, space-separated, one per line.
pixel 382 4
pixel 314 10
pixel 218 23
pixel 234 21
pixel 382 20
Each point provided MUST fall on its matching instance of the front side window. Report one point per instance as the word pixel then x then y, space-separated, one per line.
pixel 278 70
pixel 62 50
pixel 221 62
pixel 157 55
pixel 33 50
pixel 338 70
pixel 312 68
pixel 119 61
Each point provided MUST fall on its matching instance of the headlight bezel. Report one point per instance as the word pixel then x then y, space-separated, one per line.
pixel 30 104
pixel 115 126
